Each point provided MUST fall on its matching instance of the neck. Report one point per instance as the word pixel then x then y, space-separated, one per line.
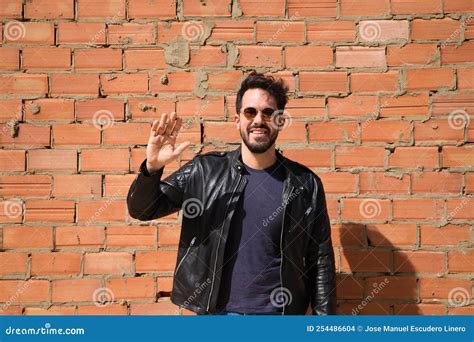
pixel 258 161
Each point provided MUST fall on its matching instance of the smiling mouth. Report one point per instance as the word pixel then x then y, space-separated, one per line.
pixel 258 132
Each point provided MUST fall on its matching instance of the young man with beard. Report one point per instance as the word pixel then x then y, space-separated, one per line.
pixel 255 235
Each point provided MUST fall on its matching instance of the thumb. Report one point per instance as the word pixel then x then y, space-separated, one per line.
pixel 180 148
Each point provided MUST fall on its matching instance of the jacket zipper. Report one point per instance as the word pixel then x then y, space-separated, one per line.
pixel 185 255
pixel 281 245
pixel 219 243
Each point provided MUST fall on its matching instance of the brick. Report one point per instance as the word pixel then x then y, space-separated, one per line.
pixel 426 157
pixel 84 289
pixel 350 286
pixel 323 82
pixel 417 208
pixel 131 33
pixel 169 31
pixel 11 9
pixel 419 261
pixel 28 135
pixel 313 107
pixel 389 131
pixel 221 131
pixel 148 107
pixel 339 182
pixel 270 32
pixel 435 29
pixel 52 160
pixel 142 59
pixel 383 30
pixel 81 33
pixel 160 308
pixel 366 209
pixel 294 132
pixel 104 160
pixel 397 287
pixel 313 8
pixel 9 59
pixel 367 261
pixel 232 30
pixel 52 310
pixel 207 56
pixel 169 235
pixel 50 109
pixel 139 9
pixel 132 288
pixel 454 156
pixel 25 186
pixel 353 105
pixel 448 235
pixel 56 9
pixel 24 84
pixel 460 262
pixel 364 7
pixel 13 160
pixel 416 6
pixel 114 9
pixel 440 288
pixel 346 235
pixel 224 80
pixel 361 156
pixel 259 56
pixel 108 263
pixel 124 84
pixel 453 6
pixel 127 134
pixel 91 211
pixel 29 33
pixel 11 211
pixel 98 59
pixel 465 77
pixel 360 57
pixel 79 236
pixel 364 82
pixel 329 31
pixel 419 309
pixel 75 134
pixel 207 108
pixel 131 236
pixel 50 211
pixel 453 54
pixel 312 158
pixel 459 209
pixel 439 130
pixel 178 82
pixel 332 131
pixel 436 182
pixel 429 79
pixel 444 104
pixel 392 235
pixel 13 263
pixel 274 8
pixel 117 185
pixel 405 105
pixel 10 109
pixel 383 183
pixel 20 291
pixel 161 260
pixel 77 185
pixel 74 84
pixel 17 237
pixel 94 108
pixel 412 54
pixel 308 56
pixel 165 284
pixel 55 263
pixel 206 9
pixel 106 310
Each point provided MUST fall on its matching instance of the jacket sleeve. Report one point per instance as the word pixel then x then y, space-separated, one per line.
pixel 150 198
pixel 320 259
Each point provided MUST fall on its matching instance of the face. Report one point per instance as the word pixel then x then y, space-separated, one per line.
pixel 257 133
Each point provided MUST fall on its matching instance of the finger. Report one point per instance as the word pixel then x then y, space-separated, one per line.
pixel 154 127
pixel 180 148
pixel 171 124
pixel 162 125
pixel 177 127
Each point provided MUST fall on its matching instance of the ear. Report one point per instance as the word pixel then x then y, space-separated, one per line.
pixel 237 120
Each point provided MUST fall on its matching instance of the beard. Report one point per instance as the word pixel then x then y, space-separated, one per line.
pixel 259 144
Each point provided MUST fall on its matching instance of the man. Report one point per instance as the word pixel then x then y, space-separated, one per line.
pixel 255 235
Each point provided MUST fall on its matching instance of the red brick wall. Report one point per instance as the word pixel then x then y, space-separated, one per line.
pixel 382 104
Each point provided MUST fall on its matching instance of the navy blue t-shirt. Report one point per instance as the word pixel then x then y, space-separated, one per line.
pixel 252 256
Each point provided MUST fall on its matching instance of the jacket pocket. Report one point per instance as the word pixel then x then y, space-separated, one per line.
pixel 185 255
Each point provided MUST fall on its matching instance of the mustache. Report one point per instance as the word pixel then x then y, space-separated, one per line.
pixel 259 127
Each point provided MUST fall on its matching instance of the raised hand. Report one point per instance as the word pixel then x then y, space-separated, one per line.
pixel 161 149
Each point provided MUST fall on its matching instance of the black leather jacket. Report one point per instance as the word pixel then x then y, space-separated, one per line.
pixel 208 188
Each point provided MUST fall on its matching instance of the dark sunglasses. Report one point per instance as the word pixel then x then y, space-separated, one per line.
pixel 251 112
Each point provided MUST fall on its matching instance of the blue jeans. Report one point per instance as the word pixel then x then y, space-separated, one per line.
pixel 230 313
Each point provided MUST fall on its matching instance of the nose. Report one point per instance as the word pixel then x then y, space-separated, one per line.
pixel 258 120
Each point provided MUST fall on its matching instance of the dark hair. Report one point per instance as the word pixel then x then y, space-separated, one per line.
pixel 275 88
